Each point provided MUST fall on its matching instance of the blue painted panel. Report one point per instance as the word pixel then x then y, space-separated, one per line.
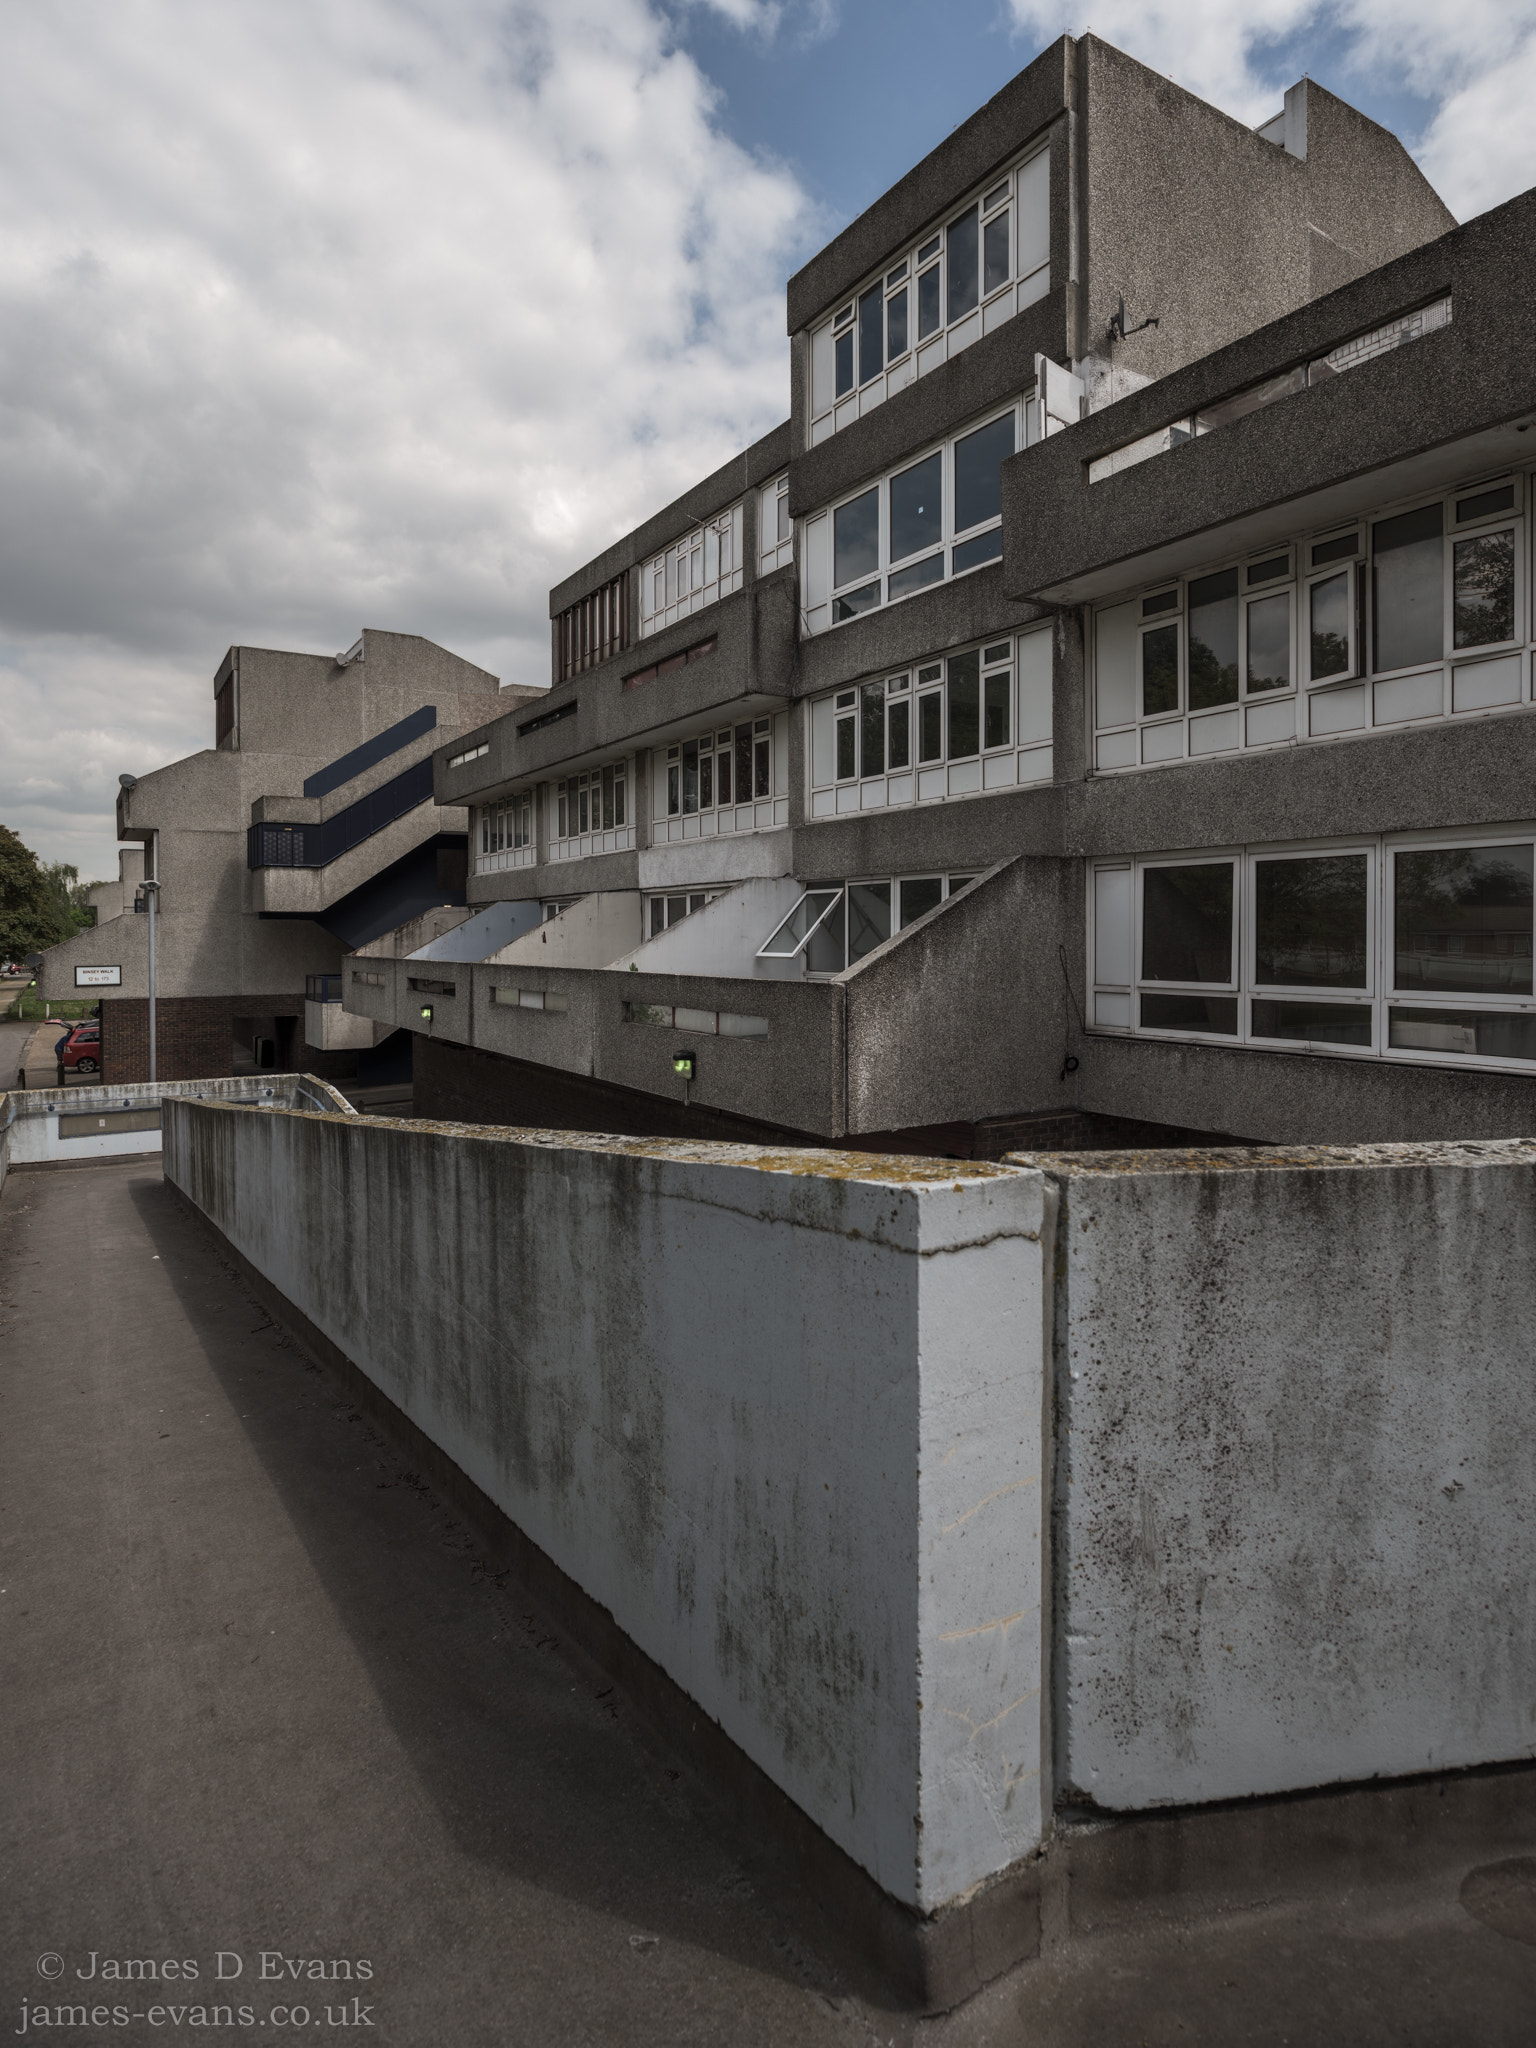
pixel 379 748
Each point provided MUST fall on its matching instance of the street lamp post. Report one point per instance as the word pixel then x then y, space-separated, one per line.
pixel 151 890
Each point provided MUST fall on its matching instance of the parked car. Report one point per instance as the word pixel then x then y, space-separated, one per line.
pixel 80 1049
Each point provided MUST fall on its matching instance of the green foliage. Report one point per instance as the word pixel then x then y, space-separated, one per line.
pixel 35 909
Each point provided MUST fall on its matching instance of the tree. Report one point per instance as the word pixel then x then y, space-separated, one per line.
pixel 70 895
pixel 31 916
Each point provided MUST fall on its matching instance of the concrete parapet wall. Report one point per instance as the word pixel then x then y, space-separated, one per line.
pixel 1295 1467
pixel 54 1126
pixel 781 1413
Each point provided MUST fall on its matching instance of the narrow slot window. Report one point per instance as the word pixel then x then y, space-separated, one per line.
pixel 997 707
pixel 871 359
pixel 762 759
pixel 1329 631
pixel 1408 590
pixel 706 779
pixel 872 729
pixel 930 726
pixel 896 325
pixel 843 349
pixel 1483 589
pixel 847 739
pixel 994 254
pixel 964 706
pixel 723 777
pixel 929 304
pixel 743 763
pixel 960 258
pixel 690 777
pixel 1159 671
pixel 1213 640
pixel 1269 642
pixel 900 732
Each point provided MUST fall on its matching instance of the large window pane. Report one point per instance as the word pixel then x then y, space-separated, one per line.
pixel 930 727
pixel 919 896
pixel 896 325
pixel 917 508
pixel 871 357
pixel 1463 919
pixel 1482 1034
pixel 1159 671
pixel 1186 922
pixel 869 918
pixel 872 729
pixel 994 261
pixel 964 706
pixel 928 303
pixel 1483 590
pixel 1315 1023
pixel 960 254
pixel 1407 572
pixel 852 602
pixel 1213 640
pixel 1330 626
pixel 1310 922
pixel 856 539
pixel 978 482
pixel 983 547
pixel 1269 643
pixel 1190 1013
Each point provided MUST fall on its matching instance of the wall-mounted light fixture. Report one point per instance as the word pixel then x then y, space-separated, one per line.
pixel 683 1063
pixel 426 1013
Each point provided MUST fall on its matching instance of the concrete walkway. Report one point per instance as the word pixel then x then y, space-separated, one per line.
pixel 260 1696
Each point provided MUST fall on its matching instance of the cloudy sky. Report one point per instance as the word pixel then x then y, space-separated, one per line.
pixel 391 312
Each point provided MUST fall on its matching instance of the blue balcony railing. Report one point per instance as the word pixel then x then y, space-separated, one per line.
pixel 316 846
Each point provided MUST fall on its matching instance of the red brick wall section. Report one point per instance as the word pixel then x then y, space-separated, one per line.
pixel 195 1037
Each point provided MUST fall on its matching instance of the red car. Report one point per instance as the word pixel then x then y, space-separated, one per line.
pixel 80 1049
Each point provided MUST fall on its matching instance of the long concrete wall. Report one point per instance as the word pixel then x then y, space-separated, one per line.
pixel 1295 1467
pixel 800 1421
pixel 63 1126
pixel 781 1413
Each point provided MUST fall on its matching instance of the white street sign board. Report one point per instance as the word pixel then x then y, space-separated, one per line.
pixel 98 977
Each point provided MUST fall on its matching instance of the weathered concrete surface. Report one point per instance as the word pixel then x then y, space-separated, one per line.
pixel 780 1413
pixel 36 1135
pixel 260 1694
pixel 1295 1467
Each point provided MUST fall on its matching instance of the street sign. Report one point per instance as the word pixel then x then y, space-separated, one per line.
pixel 98 977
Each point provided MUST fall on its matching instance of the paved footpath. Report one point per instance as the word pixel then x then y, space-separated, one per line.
pixel 258 1696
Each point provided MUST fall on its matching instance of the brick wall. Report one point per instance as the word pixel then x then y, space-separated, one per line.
pixel 195 1037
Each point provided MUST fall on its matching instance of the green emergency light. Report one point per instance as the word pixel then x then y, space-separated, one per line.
pixel 682 1063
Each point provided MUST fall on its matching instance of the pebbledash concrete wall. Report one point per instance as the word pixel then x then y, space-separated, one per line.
pixel 1295 1467
pixel 814 1430
pixel 781 1413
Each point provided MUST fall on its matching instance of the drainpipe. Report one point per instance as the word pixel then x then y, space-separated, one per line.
pixel 151 890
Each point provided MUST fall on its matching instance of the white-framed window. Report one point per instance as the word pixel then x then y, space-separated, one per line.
pixel 834 925
pixel 775 529
pixel 529 999
pixel 504 836
pixel 937 516
pixel 469 754
pixel 1410 946
pixel 728 778
pixel 1417 611
pixel 693 572
pixel 975 720
pixel 985 260
pixel 662 912
pixel 590 813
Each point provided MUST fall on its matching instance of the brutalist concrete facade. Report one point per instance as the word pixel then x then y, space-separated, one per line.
pixel 1180 260
pixel 243 921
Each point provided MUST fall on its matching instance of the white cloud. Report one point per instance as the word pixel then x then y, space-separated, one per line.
pixel 314 317
pixel 1476 62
